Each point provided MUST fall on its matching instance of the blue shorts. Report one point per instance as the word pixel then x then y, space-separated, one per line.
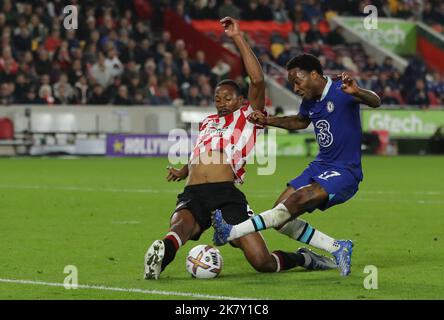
pixel 339 183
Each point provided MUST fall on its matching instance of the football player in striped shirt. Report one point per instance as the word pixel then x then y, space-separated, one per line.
pixel 217 162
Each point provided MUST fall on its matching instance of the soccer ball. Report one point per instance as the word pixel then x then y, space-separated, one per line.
pixel 204 262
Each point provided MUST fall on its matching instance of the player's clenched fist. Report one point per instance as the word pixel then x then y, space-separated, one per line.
pixel 257 117
pixel 349 85
pixel 231 26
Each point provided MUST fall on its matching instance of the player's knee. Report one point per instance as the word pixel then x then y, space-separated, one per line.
pixel 184 227
pixel 303 199
pixel 297 201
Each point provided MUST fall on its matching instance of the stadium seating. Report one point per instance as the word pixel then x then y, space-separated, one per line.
pixel 6 129
pixel 36 53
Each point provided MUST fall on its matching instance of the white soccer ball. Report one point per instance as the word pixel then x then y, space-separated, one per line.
pixel 204 262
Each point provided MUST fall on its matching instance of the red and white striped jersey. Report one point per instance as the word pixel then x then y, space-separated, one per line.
pixel 232 135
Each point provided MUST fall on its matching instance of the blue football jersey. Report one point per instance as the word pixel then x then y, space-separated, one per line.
pixel 337 124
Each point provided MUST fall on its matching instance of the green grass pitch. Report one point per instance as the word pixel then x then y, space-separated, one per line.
pixel 101 214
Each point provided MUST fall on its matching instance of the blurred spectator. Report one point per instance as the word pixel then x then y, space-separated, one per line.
pixel 63 56
pixel 98 96
pixel 436 84
pixel 122 98
pixel 419 95
pixel 43 64
pixel 296 13
pixel 185 79
pixel 296 38
pixel 75 72
pixel 388 98
pixel 403 11
pixel 334 64
pixel 23 39
pixel 201 66
pixel 139 98
pixel 63 91
pixel 6 93
pixel 168 63
pixel 394 81
pixel 21 88
pixel 315 49
pixel 279 12
pixel 206 95
pixel 228 9
pixel 82 90
pixel 45 94
pixel 173 89
pixel 9 11
pixel 101 72
pixel 257 10
pixel 221 70
pixel 134 84
pixel 365 80
pixel 380 84
pixel 153 88
pixel 335 37
pixel 371 65
pixel 52 43
pixel 203 9
pixel 161 97
pixel 313 34
pixel 193 97
pixel 312 11
pixel 32 98
pixel 105 69
pixel 61 97
pixel 8 59
pixel 387 65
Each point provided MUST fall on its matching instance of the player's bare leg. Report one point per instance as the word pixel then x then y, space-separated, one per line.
pixel 284 195
pixel 260 258
pixel 256 252
pixel 183 227
pixel 302 231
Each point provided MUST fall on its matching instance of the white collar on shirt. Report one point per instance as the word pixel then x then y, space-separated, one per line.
pixel 326 88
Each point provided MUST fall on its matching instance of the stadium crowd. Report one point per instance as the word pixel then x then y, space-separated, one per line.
pixel 119 54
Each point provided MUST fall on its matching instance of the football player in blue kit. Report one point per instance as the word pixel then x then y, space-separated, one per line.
pixel 332 105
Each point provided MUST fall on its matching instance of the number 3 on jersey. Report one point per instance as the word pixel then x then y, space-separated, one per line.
pixel 329 174
pixel 324 136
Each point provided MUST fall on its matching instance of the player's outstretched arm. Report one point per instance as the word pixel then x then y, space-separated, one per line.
pixel 364 96
pixel 296 122
pixel 177 174
pixel 256 91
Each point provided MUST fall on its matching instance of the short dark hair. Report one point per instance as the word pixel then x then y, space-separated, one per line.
pixel 232 83
pixel 306 62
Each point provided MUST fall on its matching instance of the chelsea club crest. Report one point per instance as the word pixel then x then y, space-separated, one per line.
pixel 330 106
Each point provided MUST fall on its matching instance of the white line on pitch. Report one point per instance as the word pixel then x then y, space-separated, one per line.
pixel 85 189
pixel 130 290
pixel 175 191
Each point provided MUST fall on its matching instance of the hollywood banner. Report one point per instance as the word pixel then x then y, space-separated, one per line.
pixel 142 145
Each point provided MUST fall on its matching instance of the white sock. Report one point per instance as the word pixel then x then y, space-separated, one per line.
pixel 322 241
pixel 302 231
pixel 268 219
pixel 294 228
